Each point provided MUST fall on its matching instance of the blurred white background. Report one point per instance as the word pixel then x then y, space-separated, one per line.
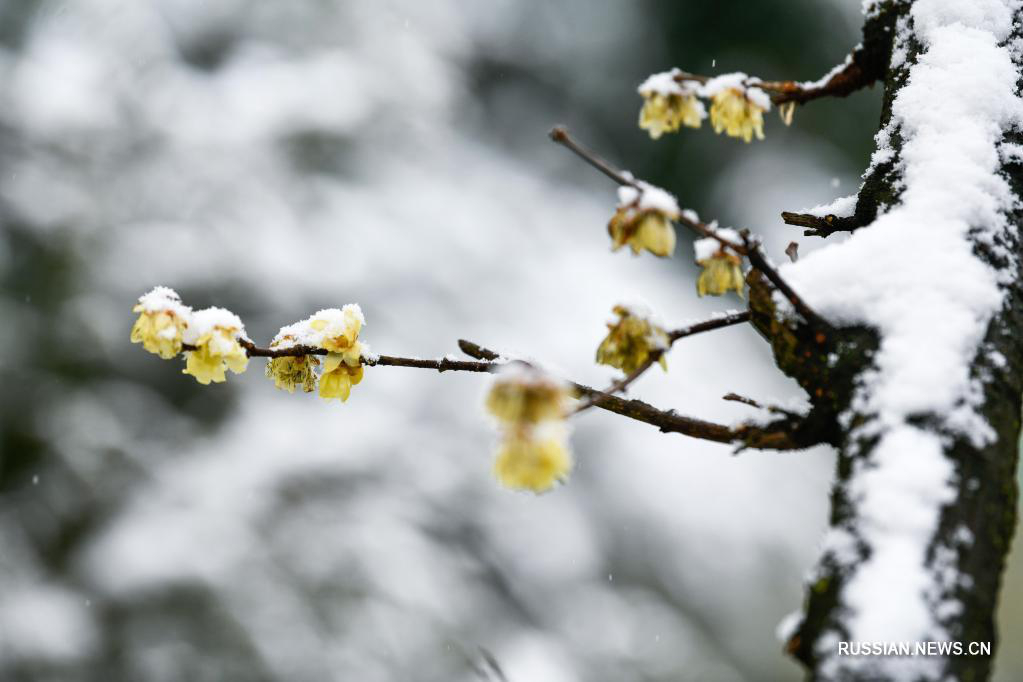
pixel 278 158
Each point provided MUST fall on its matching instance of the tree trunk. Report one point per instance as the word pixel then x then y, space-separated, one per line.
pixel 852 595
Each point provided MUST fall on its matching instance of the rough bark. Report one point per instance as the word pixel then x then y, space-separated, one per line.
pixel 985 502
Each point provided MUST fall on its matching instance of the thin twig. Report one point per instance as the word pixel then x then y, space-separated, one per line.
pixel 816 226
pixel 440 365
pixel 748 248
pixel 736 398
pixel 560 135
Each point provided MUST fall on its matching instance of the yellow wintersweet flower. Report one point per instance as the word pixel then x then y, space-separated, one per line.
pixel 722 271
pixel 339 376
pixel 291 371
pixel 666 113
pixel 721 274
pixel 531 408
pixel 158 332
pixel 526 397
pixel 643 220
pixel 214 333
pixel 530 462
pixel 338 331
pixel 162 322
pixel 631 340
pixel 734 111
pixel 669 103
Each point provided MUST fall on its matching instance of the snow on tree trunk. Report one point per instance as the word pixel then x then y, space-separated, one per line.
pixel 925 376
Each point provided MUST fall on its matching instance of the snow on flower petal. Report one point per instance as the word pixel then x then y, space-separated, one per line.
pixel 669 105
pixel 643 220
pixel 214 334
pixel 737 109
pixel 334 330
pixel 722 267
pixel 161 323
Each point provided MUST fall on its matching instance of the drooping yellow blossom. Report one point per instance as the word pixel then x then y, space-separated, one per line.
pixel 643 220
pixel 531 462
pixel 526 397
pixel 162 322
pixel 339 376
pixel 158 332
pixel 631 340
pixel 669 102
pixel 722 271
pixel 339 331
pixel 217 352
pixel 720 275
pixel 733 112
pixel 530 408
pixel 666 113
pixel 214 334
pixel 291 371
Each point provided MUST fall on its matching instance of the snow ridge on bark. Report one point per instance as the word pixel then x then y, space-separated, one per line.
pixel 915 276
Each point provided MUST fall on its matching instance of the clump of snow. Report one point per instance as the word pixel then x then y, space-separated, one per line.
pixel 843 207
pixel 914 276
pixel 665 83
pixel 329 323
pixel 823 80
pixel 708 246
pixel 788 625
pixel 163 299
pixel 207 320
pixel 726 81
pixel 647 197
pixel 737 81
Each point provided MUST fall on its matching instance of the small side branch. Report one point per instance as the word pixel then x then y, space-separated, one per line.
pixel 816 226
pixel 749 248
pixel 560 136
pixel 440 365
pixel 857 72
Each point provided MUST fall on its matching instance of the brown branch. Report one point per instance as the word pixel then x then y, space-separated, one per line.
pixel 710 325
pixel 817 226
pixel 783 435
pixel 735 397
pixel 560 135
pixel 748 248
pixel 441 365
pixel 840 83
